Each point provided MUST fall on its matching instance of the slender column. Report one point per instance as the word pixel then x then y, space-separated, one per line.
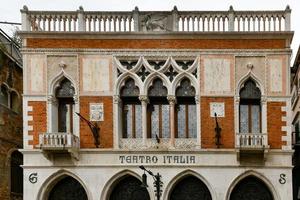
pixel 197 101
pixel 144 101
pixel 172 102
pixel 264 119
pixel 237 121
pixel 117 117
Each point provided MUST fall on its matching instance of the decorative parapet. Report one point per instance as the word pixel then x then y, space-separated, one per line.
pixel 156 21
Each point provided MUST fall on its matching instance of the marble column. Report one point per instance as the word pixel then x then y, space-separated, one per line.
pixel 144 101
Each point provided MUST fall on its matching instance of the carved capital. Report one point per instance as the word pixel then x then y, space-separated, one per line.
pixel 52 100
pixel 263 99
pixel 171 99
pixel 237 99
pixel 75 98
pixel 197 99
pixel 117 99
pixel 144 98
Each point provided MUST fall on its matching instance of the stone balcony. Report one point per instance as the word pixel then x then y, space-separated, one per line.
pixel 59 143
pixel 156 21
pixel 251 144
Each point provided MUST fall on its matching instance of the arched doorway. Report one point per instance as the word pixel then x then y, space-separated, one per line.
pixel 251 188
pixel 67 188
pixel 190 188
pixel 129 188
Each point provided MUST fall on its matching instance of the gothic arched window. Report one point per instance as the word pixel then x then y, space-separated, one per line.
pixel 64 95
pixel 250 108
pixel 131 111
pixel 186 117
pixel 158 111
pixel 4 95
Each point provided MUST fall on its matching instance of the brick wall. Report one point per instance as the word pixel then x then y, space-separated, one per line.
pixel 157 43
pixel 106 126
pixel 39 120
pixel 274 118
pixel 208 123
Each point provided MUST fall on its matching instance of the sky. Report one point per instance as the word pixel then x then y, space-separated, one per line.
pixel 10 9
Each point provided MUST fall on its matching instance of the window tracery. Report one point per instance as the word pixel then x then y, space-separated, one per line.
pixel 159 116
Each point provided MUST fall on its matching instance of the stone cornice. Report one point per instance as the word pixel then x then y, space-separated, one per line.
pixel 158 35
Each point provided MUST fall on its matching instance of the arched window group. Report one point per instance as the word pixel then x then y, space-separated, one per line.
pixel 9 98
pixel 158 110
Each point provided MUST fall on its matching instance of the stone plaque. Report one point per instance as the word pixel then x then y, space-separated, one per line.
pixel 217 107
pixel 96 112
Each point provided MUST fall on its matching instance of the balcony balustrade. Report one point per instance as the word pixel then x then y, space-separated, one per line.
pixel 251 143
pixel 169 21
pixel 52 143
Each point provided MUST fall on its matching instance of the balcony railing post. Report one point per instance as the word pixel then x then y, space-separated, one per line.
pixel 287 16
pixel 81 19
pixel 231 19
pixel 175 19
pixel 25 19
pixel 136 19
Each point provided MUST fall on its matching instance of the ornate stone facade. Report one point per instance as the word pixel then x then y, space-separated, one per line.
pixel 171 89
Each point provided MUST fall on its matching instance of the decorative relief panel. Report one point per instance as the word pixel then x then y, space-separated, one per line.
pixel 67 63
pixel 217 75
pixel 96 112
pixel 36 75
pixel 255 64
pixel 96 75
pixel 277 75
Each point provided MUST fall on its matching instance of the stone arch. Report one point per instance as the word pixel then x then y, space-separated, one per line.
pixel 122 79
pixel 256 175
pixel 184 174
pixel 53 179
pixel 179 78
pixel 52 107
pixel 149 80
pixel 256 80
pixel 112 182
pixel 54 82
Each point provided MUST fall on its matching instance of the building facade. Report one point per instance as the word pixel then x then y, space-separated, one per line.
pixel 200 97
pixel 295 124
pixel 11 127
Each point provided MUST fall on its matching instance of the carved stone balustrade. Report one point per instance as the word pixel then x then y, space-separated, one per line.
pixel 251 144
pixel 53 143
pixel 156 21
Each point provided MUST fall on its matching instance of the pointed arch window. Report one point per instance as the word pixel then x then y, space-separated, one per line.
pixel 131 110
pixel 250 108
pixel 186 118
pixel 158 111
pixel 4 95
pixel 64 95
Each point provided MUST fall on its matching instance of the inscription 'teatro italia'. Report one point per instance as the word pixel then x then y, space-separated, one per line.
pixel 182 159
